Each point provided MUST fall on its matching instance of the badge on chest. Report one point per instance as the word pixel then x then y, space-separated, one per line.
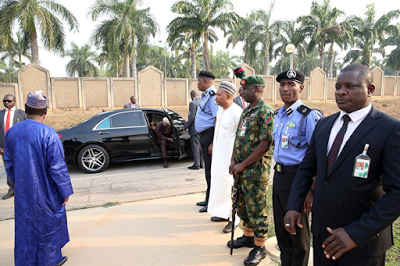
pixel 362 163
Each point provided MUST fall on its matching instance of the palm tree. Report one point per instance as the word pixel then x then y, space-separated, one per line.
pixel 202 16
pixel 320 25
pixel 18 49
pixel 36 18
pixel 178 40
pixel 82 61
pixel 125 28
pixel 393 61
pixel 241 34
pixel 368 32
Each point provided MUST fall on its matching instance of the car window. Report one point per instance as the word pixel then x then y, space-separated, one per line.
pixel 128 119
pixel 105 124
pixel 175 117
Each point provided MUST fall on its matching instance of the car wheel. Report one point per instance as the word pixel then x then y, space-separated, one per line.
pixel 93 159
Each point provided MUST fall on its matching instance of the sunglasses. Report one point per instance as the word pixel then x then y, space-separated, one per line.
pixel 7 101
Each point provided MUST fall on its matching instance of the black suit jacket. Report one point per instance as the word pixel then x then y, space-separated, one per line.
pixel 365 208
pixel 19 115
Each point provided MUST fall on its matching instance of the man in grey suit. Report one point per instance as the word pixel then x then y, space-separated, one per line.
pixel 194 135
pixel 239 100
pixel 9 117
pixel 132 104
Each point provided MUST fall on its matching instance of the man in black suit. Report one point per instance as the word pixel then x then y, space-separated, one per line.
pixel 352 214
pixel 194 135
pixel 9 117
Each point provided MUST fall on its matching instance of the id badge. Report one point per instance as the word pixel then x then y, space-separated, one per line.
pixel 285 141
pixel 243 130
pixel 361 167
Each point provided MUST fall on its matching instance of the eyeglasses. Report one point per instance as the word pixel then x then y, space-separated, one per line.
pixel 7 101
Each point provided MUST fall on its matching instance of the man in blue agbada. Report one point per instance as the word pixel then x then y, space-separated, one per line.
pixel 34 157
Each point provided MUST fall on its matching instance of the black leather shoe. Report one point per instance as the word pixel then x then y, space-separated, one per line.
pixel 64 259
pixel 218 219
pixel 228 228
pixel 201 167
pixel 8 195
pixel 201 203
pixel 194 167
pixel 256 255
pixel 243 241
pixel 204 209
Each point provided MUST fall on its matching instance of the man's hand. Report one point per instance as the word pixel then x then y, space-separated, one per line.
pixel 338 243
pixel 231 167
pixel 238 168
pixel 210 147
pixel 65 201
pixel 1 151
pixel 170 139
pixel 308 203
pixel 292 218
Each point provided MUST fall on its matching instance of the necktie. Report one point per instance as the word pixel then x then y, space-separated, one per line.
pixel 7 121
pixel 333 153
pixel 244 104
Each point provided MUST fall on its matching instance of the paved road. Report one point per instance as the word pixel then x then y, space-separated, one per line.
pixel 125 182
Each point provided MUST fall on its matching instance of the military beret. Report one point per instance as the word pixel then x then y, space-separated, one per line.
pixel 206 74
pixel 36 100
pixel 239 73
pixel 253 81
pixel 292 75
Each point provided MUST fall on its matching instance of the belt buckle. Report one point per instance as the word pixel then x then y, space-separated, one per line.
pixel 279 168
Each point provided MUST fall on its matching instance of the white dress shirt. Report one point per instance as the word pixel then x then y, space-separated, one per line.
pixel 12 110
pixel 356 118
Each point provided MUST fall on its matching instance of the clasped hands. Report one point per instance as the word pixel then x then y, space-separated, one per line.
pixel 335 245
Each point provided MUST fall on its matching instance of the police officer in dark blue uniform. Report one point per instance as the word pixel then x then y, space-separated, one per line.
pixel 293 127
pixel 205 123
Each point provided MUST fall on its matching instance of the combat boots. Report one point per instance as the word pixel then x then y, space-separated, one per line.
pixel 243 241
pixel 256 255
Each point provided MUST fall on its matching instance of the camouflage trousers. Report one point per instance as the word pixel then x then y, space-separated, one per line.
pixel 252 206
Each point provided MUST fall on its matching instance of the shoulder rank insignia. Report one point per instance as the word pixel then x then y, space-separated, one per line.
pixel 276 111
pixel 304 110
pixel 212 93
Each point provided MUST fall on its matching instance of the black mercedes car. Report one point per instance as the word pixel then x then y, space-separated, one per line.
pixel 120 136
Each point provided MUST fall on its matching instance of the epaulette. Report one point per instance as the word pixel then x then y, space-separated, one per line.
pixel 304 110
pixel 319 111
pixel 276 111
pixel 212 93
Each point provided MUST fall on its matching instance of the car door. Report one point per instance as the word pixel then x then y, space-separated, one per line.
pixel 181 134
pixel 125 135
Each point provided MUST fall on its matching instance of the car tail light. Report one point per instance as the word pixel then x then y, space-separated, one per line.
pixel 59 135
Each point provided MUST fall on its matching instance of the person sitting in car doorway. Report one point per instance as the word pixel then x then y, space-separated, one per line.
pixel 164 138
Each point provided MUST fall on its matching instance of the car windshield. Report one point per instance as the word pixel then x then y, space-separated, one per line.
pixel 176 118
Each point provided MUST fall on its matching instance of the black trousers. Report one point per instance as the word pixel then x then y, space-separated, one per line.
pixel 295 249
pixel 347 259
pixel 9 182
pixel 206 139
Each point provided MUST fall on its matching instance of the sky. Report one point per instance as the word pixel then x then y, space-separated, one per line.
pixel 283 10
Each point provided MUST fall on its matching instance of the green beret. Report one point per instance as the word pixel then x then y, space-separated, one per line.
pixel 253 81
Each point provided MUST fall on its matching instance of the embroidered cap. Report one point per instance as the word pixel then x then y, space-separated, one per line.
pixel 166 121
pixel 228 87
pixel 36 100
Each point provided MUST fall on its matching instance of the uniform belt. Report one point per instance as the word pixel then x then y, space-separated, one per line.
pixel 207 131
pixel 286 168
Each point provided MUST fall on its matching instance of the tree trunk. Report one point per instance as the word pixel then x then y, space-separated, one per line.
pixel 206 56
pixel 134 61
pixel 34 47
pixel 193 59
pixel 266 63
pixel 126 61
pixel 321 57
pixel 246 58
pixel 330 61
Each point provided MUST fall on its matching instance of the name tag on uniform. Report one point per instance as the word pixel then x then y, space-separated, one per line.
pixel 285 141
pixel 243 128
pixel 362 163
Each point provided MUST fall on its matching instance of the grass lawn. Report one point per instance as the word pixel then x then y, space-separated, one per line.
pixel 60 120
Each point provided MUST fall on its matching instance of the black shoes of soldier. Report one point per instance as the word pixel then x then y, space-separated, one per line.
pixel 256 255
pixel 64 259
pixel 243 241
pixel 228 228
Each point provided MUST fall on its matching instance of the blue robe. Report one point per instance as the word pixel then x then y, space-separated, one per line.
pixel 34 157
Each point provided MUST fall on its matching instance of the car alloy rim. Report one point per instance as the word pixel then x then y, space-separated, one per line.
pixel 93 159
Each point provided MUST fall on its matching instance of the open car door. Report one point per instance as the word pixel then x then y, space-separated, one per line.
pixel 181 135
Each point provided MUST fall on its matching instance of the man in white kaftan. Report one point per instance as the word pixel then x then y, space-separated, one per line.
pixel 219 205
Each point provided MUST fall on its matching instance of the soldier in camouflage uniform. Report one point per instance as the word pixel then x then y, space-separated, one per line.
pixel 251 163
